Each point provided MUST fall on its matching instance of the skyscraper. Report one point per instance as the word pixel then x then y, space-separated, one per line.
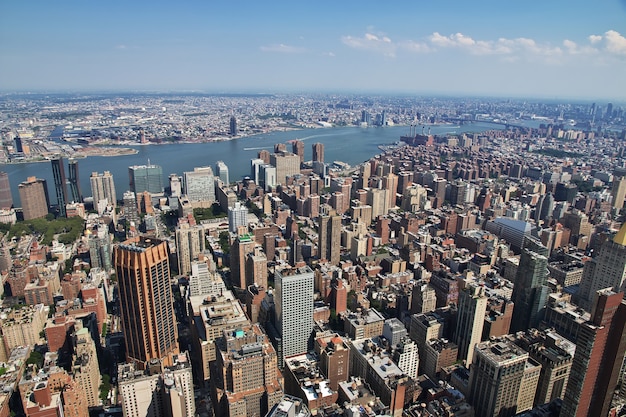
pixel 329 238
pixel 530 292
pixel 103 188
pixel 146 301
pixel 605 270
pixel 6 198
pixel 470 320
pixel 200 185
pixel 600 347
pixel 318 152
pixel 233 126
pixel 495 378
pixel 237 217
pixel 34 197
pixel 190 242
pixel 242 246
pixel 293 299
pixel 146 178
pixel 74 181
pixel 287 165
pixel 60 184
pixel 618 192
pixel 221 170
pixel 297 147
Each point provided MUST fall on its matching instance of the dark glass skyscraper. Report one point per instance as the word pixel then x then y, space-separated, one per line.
pixel 6 198
pixel 77 196
pixel 58 172
pixel 146 178
pixel 530 292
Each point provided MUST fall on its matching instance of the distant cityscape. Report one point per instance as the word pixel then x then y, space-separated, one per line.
pixel 451 273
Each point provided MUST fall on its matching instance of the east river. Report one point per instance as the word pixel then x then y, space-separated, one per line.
pixel 352 145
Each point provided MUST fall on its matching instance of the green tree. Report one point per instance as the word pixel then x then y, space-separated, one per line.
pixel 105 387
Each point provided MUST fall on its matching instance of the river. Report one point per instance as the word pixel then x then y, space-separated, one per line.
pixel 352 145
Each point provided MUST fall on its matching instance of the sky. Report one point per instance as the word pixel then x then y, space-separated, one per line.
pixel 523 48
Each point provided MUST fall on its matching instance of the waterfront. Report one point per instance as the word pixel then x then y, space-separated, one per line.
pixel 352 145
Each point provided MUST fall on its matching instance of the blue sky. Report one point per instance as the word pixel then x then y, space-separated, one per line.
pixel 554 49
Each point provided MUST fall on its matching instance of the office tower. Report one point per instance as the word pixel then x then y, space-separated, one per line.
pixel 256 268
pixel 74 181
pixel 287 165
pixel 146 301
pixel 19 147
pixel 237 217
pixel 233 126
pixel 130 207
pixel 470 320
pixel 190 242
pixel 242 246
pixel 423 298
pixel 267 177
pixel 329 238
pixel 248 383
pixel 159 392
pixel 405 354
pixel 544 207
pixel 618 192
pixel 58 172
pixel 605 270
pixel 176 185
pixel 609 111
pixel 103 188
pixel 600 347
pixel 200 185
pixel 6 198
pixel 146 178
pixel 318 152
pixel 100 250
pixel 293 299
pixel 297 147
pixel 85 366
pixel 221 171
pixel 34 197
pixel 530 291
pixel 495 378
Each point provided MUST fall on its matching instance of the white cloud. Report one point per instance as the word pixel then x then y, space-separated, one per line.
pixel 595 38
pixel 381 44
pixel 282 48
pixel 511 49
pixel 615 42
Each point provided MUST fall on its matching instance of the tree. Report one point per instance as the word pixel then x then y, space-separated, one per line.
pixel 35 358
pixel 105 387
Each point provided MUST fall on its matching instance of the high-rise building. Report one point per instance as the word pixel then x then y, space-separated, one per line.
pixel 423 298
pixel 200 185
pixel 34 197
pixel 190 242
pixel 146 301
pixel 221 171
pixel 329 238
pixel 247 365
pixel 146 178
pixel 237 217
pixel 495 378
pixel 600 347
pixel 19 146
pixel 618 192
pixel 60 184
pixel 293 299
pixel 530 291
pixel 470 320
pixel 605 270
pixel 256 268
pixel 297 147
pixel 176 185
pixel 159 392
pixel 103 188
pixel 232 128
pixel 379 201
pixel 85 367
pixel 318 152
pixel 6 198
pixel 287 165
pixel 74 181
pixel 242 246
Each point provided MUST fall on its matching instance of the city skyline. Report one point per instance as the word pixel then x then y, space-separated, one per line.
pixel 555 50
